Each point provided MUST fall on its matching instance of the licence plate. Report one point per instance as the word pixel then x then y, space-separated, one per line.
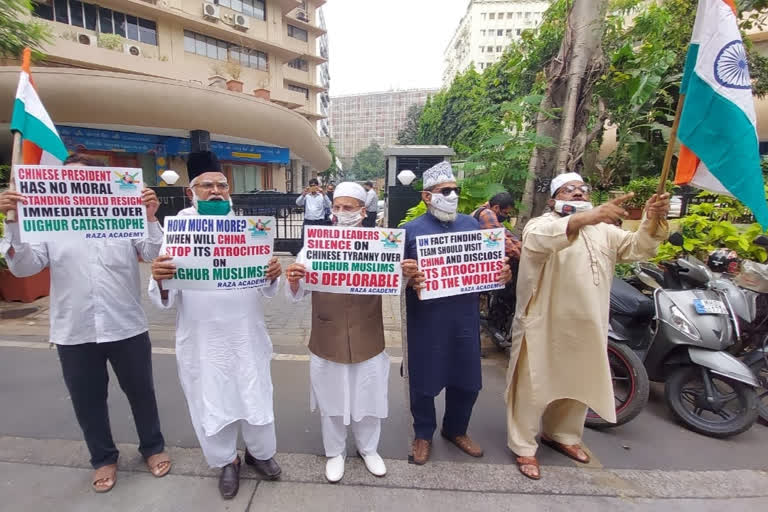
pixel 709 307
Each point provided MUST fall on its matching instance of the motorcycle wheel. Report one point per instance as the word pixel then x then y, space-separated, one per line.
pixel 630 387
pixel 685 394
pixel 760 370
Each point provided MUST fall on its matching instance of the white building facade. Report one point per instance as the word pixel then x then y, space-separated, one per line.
pixel 485 31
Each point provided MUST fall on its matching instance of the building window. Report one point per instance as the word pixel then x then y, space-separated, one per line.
pixel 500 32
pixel 252 8
pixel 519 15
pixel 501 15
pixel 492 16
pixel 527 15
pixel 490 49
pixel 509 32
pixel 93 17
pixel 482 32
pixel 499 49
pixel 296 88
pixel 298 33
pixel 221 50
pixel 509 15
pixel 299 63
pixel 482 49
pixel 518 31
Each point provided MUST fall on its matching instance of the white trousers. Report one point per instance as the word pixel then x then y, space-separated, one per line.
pixel 366 431
pixel 220 449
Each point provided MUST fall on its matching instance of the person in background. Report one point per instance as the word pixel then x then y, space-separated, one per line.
pixel 329 193
pixel 493 214
pixel 315 203
pixel 96 317
pixel 348 367
pixel 223 349
pixel 371 205
pixel 443 334
pixel 558 364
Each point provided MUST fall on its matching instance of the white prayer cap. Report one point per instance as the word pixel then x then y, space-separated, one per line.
pixel 438 174
pixel 350 189
pixel 561 179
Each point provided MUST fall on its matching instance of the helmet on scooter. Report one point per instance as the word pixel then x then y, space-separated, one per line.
pixel 725 261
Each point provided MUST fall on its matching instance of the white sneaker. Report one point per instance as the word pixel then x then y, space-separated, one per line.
pixel 375 464
pixel 334 469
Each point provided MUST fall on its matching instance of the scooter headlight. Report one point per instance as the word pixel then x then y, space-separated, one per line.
pixel 682 324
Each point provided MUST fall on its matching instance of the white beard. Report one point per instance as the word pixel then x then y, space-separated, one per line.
pixel 441 215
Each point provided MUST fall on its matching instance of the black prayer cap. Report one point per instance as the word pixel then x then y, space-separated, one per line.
pixel 201 162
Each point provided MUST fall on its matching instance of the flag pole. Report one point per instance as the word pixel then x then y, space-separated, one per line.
pixel 15 160
pixel 662 188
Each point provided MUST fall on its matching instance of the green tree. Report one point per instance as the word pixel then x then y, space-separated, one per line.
pixel 410 132
pixel 332 172
pixel 18 30
pixel 368 164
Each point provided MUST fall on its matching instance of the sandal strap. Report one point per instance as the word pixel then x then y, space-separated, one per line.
pixel 527 461
pixel 104 472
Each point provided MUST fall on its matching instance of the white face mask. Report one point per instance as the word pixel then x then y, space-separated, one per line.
pixel 445 204
pixel 348 218
pixel 571 207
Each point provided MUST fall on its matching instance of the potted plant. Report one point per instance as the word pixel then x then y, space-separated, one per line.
pixel 234 69
pixel 24 289
pixel 217 79
pixel 643 188
pixel 262 92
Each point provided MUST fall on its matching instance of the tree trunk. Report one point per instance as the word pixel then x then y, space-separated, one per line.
pixel 570 77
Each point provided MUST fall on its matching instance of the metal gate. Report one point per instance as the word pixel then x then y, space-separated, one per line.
pixel 289 217
pixel 401 198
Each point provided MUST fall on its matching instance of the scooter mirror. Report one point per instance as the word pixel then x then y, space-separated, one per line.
pixel 762 241
pixel 676 239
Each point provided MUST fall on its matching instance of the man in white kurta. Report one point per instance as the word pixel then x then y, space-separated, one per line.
pixel 348 369
pixel 559 364
pixel 223 351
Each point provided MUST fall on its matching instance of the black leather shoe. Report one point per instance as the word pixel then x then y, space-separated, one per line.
pixel 229 481
pixel 269 468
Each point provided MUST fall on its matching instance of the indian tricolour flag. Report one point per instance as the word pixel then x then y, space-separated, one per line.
pixel 717 125
pixel 41 141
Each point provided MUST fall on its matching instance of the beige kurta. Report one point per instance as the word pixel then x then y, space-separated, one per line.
pixel 563 294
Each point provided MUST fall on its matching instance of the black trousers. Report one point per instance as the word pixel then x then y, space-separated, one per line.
pixel 307 222
pixel 458 409
pixel 85 374
pixel 370 220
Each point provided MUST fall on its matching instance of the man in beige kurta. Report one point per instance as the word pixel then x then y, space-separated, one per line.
pixel 559 364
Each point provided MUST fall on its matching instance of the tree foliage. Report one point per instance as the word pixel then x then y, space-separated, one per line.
pixel 410 132
pixel 331 172
pixel 18 30
pixel 368 164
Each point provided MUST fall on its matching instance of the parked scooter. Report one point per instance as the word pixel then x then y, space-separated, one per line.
pixel 682 336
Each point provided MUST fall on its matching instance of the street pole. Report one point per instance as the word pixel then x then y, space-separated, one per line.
pixel 662 188
pixel 15 160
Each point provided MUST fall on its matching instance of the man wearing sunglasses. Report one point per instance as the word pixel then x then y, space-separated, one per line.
pixel 559 364
pixel 443 335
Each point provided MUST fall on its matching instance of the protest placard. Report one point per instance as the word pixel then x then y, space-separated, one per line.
pixel 218 253
pixel 66 203
pixel 459 263
pixel 358 261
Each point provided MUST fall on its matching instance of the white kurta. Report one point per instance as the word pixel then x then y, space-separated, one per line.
pixel 352 391
pixel 563 292
pixel 223 352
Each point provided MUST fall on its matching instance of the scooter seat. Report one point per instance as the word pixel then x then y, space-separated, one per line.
pixel 628 301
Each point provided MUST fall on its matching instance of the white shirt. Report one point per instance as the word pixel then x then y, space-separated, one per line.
pixel 223 351
pixel 372 201
pixel 95 284
pixel 314 205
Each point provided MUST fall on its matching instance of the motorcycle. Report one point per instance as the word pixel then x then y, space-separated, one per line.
pixel 682 335
pixel 749 310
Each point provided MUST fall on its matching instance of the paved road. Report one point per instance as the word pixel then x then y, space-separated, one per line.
pixel 34 403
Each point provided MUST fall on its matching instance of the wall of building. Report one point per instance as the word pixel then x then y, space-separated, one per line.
pixel 359 119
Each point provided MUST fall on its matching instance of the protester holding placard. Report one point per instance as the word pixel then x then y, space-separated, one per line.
pixel 443 334
pixel 559 365
pixel 348 368
pixel 96 316
pixel 223 349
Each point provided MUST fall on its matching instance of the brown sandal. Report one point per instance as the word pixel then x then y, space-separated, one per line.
pixel 573 451
pixel 155 464
pixel 523 462
pixel 102 474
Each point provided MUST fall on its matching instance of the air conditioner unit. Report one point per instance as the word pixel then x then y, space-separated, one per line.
pixel 86 39
pixel 211 10
pixel 132 49
pixel 302 16
pixel 241 21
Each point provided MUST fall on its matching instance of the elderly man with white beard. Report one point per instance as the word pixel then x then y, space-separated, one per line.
pixel 443 335
pixel 348 369
pixel 223 349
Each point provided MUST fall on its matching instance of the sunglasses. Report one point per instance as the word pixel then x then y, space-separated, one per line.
pixel 447 191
